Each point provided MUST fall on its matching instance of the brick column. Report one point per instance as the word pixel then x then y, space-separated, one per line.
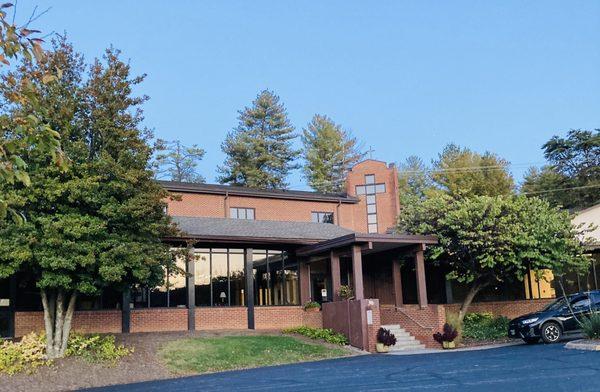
pixel 191 286
pixel 420 272
pixel 359 292
pixel 249 286
pixel 304 272
pixel 397 279
pixel 335 275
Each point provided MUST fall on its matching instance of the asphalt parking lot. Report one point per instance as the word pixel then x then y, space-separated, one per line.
pixel 515 368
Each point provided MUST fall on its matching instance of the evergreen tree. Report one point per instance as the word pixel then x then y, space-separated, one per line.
pixel 259 150
pixel 329 152
pixel 572 178
pixel 178 162
pixel 99 223
pixel 414 180
pixel 462 172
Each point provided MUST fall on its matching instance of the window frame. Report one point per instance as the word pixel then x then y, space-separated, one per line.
pixel 320 215
pixel 245 209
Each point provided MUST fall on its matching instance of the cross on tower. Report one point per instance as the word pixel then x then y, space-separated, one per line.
pixel 370 151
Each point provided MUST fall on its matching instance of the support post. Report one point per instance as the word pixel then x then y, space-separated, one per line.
pixel 397 278
pixel 304 271
pixel 359 292
pixel 335 276
pixel 126 311
pixel 249 286
pixel 191 286
pixel 420 271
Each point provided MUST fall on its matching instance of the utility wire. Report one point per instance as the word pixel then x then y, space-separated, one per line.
pixel 562 189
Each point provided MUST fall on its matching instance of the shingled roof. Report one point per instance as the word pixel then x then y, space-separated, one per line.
pixel 218 189
pixel 272 231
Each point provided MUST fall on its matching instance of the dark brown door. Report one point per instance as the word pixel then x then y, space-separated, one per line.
pixel 7 319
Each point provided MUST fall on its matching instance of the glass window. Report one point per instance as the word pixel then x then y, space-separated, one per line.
pixel 219 279
pixel 360 190
pixel 237 279
pixel 373 228
pixel 322 217
pixel 241 213
pixel 370 179
pixel 371 218
pixel 370 199
pixel 202 278
pixel 380 188
pixel 370 189
pixel 371 208
pixel 581 304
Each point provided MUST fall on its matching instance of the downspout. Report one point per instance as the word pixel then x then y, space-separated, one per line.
pixel 226 204
pixel 337 212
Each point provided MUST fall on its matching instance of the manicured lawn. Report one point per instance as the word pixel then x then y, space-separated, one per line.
pixel 202 355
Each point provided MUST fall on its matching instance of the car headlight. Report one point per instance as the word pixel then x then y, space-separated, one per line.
pixel 530 320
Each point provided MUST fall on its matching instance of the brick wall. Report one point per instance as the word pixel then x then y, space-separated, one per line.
pixel 421 323
pixel 221 318
pixel 159 319
pixel 279 317
pixel 373 328
pixel 388 206
pixel 510 309
pixel 101 321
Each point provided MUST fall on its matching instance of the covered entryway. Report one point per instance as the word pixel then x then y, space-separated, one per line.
pixel 345 258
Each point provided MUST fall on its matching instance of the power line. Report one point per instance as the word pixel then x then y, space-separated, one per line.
pixel 562 189
pixel 470 168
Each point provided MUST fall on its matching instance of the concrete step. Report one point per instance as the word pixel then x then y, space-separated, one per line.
pixel 404 340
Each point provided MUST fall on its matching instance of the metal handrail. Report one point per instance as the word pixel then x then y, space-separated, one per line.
pixel 412 319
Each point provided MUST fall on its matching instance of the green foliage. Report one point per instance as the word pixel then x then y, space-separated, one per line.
pixel 312 305
pixel 574 162
pixel 414 180
pixel 178 162
pixel 462 172
pixel 346 292
pixel 330 152
pixel 484 326
pixel 591 326
pixel 96 348
pixel 23 356
pixel 326 334
pixel 100 223
pixel 28 131
pixel 259 150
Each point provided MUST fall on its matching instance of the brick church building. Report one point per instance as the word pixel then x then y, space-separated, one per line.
pixel 254 257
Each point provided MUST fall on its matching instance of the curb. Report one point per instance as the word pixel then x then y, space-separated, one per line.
pixel 442 351
pixel 584 344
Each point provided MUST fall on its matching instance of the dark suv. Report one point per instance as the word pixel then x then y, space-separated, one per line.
pixel 556 319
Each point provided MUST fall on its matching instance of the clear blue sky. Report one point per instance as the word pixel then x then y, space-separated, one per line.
pixel 405 77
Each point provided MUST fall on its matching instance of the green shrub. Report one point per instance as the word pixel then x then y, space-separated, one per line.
pixel 326 334
pixel 24 355
pixel 96 348
pixel 591 326
pixel 484 326
pixel 311 305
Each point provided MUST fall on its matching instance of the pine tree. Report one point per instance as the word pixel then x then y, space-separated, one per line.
pixel 259 150
pixel 329 152
pixel 178 162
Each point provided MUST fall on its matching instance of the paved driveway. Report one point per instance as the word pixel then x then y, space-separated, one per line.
pixel 516 368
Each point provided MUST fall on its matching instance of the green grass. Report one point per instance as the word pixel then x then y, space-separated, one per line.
pixel 202 355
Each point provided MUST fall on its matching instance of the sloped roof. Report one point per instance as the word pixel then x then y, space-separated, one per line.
pixel 174 186
pixel 256 230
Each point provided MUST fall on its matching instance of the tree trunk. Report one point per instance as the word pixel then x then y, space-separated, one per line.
pixel 476 288
pixel 58 316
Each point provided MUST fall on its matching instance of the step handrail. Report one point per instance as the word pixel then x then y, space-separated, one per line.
pixel 412 319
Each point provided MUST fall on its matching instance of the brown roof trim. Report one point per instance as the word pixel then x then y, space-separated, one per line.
pixel 358 238
pixel 243 240
pixel 215 189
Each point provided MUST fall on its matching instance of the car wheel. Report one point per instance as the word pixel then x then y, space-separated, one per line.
pixel 551 332
pixel 531 340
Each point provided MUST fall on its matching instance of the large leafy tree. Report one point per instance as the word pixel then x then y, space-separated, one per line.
pixel 99 223
pixel 414 180
pixel 572 177
pixel 329 152
pixel 259 150
pixel 462 172
pixel 28 132
pixel 491 239
pixel 178 162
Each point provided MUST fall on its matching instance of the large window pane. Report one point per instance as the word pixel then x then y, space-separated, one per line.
pixel 237 279
pixel 291 285
pixel 177 285
pixel 261 278
pixel 276 278
pixel 220 289
pixel 202 277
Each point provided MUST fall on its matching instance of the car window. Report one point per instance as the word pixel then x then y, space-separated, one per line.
pixel 581 303
pixel 595 298
pixel 558 304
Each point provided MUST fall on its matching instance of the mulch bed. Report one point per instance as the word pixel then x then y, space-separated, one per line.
pixel 76 373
